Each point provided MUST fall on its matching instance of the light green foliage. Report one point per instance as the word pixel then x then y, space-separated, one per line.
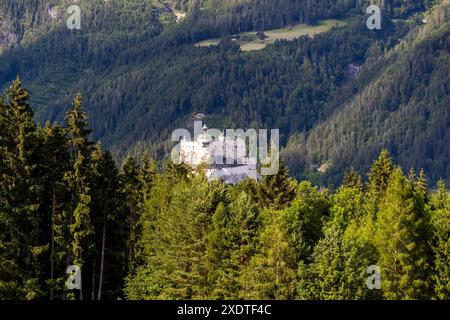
pixel 401 240
pixel 304 219
pixel 340 259
pixel 175 227
pixel 240 234
pixel 271 272
pixel 440 217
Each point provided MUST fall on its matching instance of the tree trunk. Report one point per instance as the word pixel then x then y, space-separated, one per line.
pixel 93 280
pixel 69 252
pixel 52 253
pixel 130 241
pixel 81 284
pixel 102 263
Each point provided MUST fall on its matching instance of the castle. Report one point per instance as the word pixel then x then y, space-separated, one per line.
pixel 225 157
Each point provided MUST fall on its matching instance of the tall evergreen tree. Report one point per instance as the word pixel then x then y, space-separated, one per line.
pixel 271 272
pixel 174 239
pixel 78 177
pixel 55 204
pixel 304 219
pixel 131 188
pixel 379 176
pixel 20 243
pixel 402 242
pixel 238 223
pixel 441 241
pixel 277 191
pixel 353 180
pixel 339 264
pixel 106 218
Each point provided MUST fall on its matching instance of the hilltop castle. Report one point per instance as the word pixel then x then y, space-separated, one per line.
pixel 224 156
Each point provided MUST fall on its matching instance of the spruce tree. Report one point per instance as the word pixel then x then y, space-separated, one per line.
pixel 147 175
pixel 304 219
pixel 238 224
pixel 340 259
pixel 174 241
pixel 131 188
pixel 55 204
pixel 422 185
pixel 78 177
pixel 271 272
pixel 277 191
pixel 353 180
pixel 21 245
pixel 441 241
pixel 339 264
pixel 401 240
pixel 107 213
pixel 379 176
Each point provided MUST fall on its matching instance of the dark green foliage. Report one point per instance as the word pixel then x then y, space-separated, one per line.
pixel 277 191
pixel 271 272
pixel 54 205
pixel 60 204
pixel 353 180
pixel 143 63
pixel 142 234
pixel 130 188
pixel 78 180
pixel 20 245
pixel 238 245
pixel 399 102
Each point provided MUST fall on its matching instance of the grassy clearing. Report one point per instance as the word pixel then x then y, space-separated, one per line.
pixel 207 43
pixel 249 41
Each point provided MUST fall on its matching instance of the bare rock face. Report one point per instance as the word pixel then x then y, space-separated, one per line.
pixel 8 37
pixel 53 13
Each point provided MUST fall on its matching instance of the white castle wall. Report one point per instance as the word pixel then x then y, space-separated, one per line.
pixel 226 157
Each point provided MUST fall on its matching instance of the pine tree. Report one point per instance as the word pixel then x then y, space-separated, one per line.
pixel 380 173
pixel 304 219
pixel 147 175
pixel 422 185
pixel 174 172
pixel 339 264
pixel 218 251
pixel 174 240
pixel 339 260
pixel 347 206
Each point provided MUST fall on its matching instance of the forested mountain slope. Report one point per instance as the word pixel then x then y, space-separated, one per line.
pixel 142 77
pixel 405 106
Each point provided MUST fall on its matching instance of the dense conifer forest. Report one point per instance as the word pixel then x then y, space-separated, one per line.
pixel 142 77
pixel 142 232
